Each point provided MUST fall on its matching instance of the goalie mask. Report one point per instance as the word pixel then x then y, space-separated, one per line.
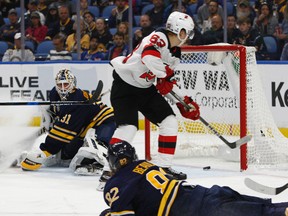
pixel 65 83
pixel 178 21
pixel 121 154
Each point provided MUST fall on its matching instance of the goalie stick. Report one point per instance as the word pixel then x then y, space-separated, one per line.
pixel 263 188
pixel 96 95
pixel 232 145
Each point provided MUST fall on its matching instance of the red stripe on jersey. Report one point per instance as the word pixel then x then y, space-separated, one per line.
pixel 166 150
pixel 167 144
pixel 114 140
pixel 162 138
pixel 150 50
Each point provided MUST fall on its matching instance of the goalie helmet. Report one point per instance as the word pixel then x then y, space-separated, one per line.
pixel 121 154
pixel 178 21
pixel 65 83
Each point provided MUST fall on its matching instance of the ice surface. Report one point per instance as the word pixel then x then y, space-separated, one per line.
pixel 56 191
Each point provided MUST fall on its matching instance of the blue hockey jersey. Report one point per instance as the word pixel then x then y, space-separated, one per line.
pixel 75 120
pixel 144 189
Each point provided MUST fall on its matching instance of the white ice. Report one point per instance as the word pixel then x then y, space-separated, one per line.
pixel 56 191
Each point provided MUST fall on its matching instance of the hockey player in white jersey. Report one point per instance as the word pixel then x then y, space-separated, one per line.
pixel 152 62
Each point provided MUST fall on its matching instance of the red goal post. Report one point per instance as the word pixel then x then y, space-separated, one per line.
pixel 223 79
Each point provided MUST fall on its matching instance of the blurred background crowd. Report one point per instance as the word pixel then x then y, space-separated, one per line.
pixel 95 30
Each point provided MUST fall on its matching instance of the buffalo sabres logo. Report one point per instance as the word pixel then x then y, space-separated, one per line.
pixel 148 76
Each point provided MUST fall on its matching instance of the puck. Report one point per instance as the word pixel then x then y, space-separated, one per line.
pixel 206 168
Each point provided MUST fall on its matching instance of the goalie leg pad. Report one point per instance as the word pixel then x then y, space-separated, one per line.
pixel 82 154
pixel 99 148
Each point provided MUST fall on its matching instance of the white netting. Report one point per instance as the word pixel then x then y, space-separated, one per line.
pixel 216 90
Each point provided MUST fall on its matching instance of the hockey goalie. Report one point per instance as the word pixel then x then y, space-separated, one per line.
pixel 78 135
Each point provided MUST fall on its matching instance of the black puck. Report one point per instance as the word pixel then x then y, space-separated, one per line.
pixel 206 168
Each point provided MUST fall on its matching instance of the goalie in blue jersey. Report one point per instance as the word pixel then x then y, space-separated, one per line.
pixel 80 133
pixel 141 188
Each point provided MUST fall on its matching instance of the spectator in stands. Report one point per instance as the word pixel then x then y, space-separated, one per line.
pixel 33 6
pixel 258 3
pixel 265 22
pixel 119 48
pixel 96 52
pixel 156 13
pixel 90 24
pixel 6 6
pixel 15 55
pixel 52 16
pixel 203 13
pixel 8 31
pixel 101 3
pixel 250 36
pixel 212 11
pixel 173 6
pixel 281 5
pixel 64 25
pixel 71 41
pixel 119 14
pixel 232 31
pixel 146 29
pixel 215 34
pixel 83 7
pixel 102 33
pixel 66 3
pixel 282 32
pixel 36 32
pixel 42 7
pixel 60 53
pixel 124 28
pixel 244 9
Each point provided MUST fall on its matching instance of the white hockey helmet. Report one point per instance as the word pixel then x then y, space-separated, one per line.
pixel 65 83
pixel 178 21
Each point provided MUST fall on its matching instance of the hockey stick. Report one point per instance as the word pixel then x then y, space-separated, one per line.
pixel 93 99
pixel 232 145
pixel 263 188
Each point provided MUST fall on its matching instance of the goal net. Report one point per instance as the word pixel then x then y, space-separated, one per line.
pixel 224 80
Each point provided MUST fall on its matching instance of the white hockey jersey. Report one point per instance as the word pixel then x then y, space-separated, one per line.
pixel 147 61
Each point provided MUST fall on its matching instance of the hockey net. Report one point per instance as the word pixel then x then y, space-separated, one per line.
pixel 224 80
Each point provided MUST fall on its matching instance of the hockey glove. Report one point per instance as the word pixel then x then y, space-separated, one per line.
pixel 165 85
pixel 193 113
pixel 176 52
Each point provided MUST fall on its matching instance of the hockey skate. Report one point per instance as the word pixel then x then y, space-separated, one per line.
pixel 89 169
pixel 174 174
pixel 106 175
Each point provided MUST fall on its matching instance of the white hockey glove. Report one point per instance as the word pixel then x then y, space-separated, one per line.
pixel 34 160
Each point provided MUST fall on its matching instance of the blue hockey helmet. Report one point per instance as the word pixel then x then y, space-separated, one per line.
pixel 121 154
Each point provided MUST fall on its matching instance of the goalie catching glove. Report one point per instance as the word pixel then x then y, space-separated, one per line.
pixel 165 85
pixel 193 113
